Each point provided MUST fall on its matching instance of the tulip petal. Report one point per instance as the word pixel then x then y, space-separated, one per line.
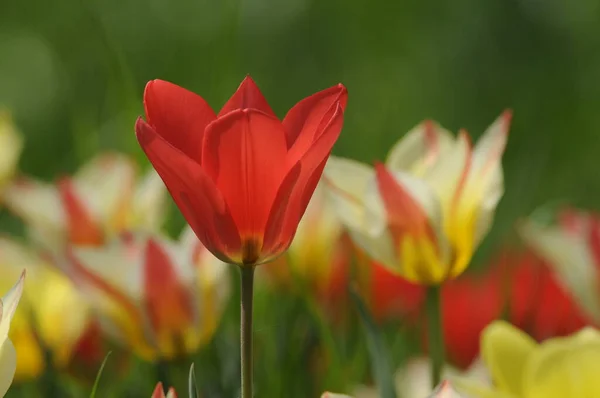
pixel 8 365
pixel 413 229
pixel 245 156
pixel 168 303
pixel 247 96
pixel 105 185
pixel 149 202
pixel 311 169
pixel 505 350
pixel 36 203
pixel 81 225
pixel 420 148
pixel 8 307
pixel 194 193
pixel 178 116
pixel 309 117
pixel 565 367
pixel 571 258
pixel 485 184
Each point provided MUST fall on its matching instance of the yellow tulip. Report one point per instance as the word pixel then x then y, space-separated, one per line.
pixel 8 355
pixel 571 248
pixel 48 297
pixel 425 211
pixel 160 298
pixel 11 145
pixel 102 199
pixel 562 367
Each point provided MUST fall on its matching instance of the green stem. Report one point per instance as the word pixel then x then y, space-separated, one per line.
pixel 435 333
pixel 247 285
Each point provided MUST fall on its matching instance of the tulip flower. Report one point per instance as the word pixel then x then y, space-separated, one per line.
pixel 49 295
pixel 11 145
pixel 162 299
pixel 571 247
pixel 101 200
pixel 159 392
pixel 242 178
pixel 424 212
pixel 8 355
pixel 560 367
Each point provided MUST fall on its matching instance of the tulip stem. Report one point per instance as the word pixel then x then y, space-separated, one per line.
pixel 247 285
pixel 435 333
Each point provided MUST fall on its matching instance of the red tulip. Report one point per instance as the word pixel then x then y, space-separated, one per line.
pixel 241 178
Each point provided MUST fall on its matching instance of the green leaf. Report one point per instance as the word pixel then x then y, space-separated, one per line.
pixel 97 381
pixel 192 389
pixel 380 362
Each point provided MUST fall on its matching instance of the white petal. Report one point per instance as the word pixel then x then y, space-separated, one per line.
pixel 347 183
pixel 571 259
pixel 420 148
pixel 149 202
pixel 104 184
pixel 8 366
pixel 10 302
pixel 36 203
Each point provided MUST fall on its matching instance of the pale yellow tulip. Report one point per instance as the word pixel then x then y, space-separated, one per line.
pixel 8 355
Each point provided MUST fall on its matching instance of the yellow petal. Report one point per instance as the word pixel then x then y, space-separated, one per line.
pixel 9 306
pixel 8 365
pixel 565 367
pixel 419 149
pixel 505 350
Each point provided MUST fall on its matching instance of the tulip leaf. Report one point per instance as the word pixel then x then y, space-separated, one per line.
pixel 380 362
pixel 192 389
pixel 97 381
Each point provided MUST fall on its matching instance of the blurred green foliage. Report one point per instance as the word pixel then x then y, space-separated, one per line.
pixel 73 73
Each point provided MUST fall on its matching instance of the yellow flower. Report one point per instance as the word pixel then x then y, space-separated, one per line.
pixel 102 199
pixel 562 367
pixel 48 297
pixel 159 298
pixel 8 355
pixel 571 248
pixel 425 211
pixel 11 145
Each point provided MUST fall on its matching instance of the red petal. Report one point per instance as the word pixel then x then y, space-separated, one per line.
pixel 158 391
pixel 82 228
pixel 281 233
pixel 195 194
pixel 247 96
pixel 178 115
pixel 308 118
pixel 245 155
pixel 168 302
pixel 405 214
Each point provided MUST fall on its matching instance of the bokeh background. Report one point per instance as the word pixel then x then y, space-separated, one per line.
pixel 73 72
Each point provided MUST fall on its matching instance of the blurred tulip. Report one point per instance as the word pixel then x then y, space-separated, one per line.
pixel 8 355
pixel 318 258
pixel 424 213
pixel 332 395
pixel 160 298
pixel 572 248
pixel 41 324
pixel 242 178
pixel 101 200
pixel 560 367
pixel 11 145
pixel 159 392
pixel 391 296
